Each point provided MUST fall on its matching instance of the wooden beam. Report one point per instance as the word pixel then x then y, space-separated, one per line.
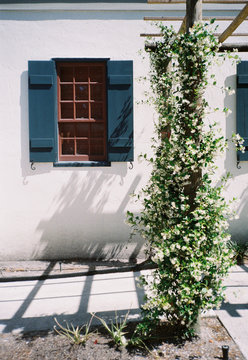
pixel 204 1
pixel 225 47
pixel 233 47
pixel 193 13
pixel 182 28
pixel 233 26
pixel 215 34
pixel 151 35
pixel 235 34
pixel 180 18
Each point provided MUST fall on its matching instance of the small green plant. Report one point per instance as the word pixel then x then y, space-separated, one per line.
pixel 239 249
pixel 76 335
pixel 116 329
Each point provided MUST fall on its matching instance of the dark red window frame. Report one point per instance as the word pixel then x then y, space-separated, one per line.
pixel 82 120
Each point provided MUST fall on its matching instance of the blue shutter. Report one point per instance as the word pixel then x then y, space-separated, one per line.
pixel 242 106
pixel 120 110
pixel 42 111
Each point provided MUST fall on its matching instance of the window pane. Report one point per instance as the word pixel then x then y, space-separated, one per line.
pixel 81 92
pixel 66 130
pixel 82 147
pixel 82 111
pixel 66 110
pixel 67 147
pixel 81 74
pixel 97 130
pixel 66 74
pixel 96 74
pixel 66 92
pixel 97 147
pixel 96 111
pixel 82 130
pixel 96 92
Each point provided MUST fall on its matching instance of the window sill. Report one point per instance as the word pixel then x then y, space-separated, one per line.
pixel 81 163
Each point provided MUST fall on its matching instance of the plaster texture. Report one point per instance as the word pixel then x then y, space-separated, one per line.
pixel 66 213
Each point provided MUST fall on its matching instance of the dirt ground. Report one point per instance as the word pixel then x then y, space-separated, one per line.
pixel 49 345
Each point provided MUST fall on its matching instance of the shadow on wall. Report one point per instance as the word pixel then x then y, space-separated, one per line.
pixel 81 228
pixel 239 227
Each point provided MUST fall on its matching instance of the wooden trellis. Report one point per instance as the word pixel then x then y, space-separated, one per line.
pixel 194 14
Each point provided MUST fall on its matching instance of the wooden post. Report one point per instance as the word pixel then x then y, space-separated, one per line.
pixel 193 12
pixel 193 15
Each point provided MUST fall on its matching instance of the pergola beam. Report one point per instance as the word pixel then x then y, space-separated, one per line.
pixel 225 47
pixel 204 1
pixel 215 34
pixel 178 18
pixel 233 26
pixel 182 28
pixel 234 47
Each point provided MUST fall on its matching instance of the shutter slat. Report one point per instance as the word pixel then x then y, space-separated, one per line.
pixel 120 110
pixel 120 142
pixel 120 80
pixel 42 111
pixel 243 79
pixel 41 143
pixel 40 80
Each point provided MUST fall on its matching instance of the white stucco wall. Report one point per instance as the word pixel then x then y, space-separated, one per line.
pixel 80 212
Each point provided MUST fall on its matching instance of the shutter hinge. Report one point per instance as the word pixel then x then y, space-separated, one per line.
pixel 32 166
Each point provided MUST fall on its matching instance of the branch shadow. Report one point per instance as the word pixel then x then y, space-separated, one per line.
pixel 82 228
pixel 232 309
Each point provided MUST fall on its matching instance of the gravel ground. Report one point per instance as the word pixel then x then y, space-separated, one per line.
pixel 99 346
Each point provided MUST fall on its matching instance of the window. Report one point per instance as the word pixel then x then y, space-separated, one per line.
pixel 80 111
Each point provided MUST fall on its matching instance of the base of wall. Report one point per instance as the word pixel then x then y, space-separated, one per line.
pixel 40 270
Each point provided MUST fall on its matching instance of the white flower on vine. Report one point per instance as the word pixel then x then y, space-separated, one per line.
pixel 209 292
pixel 172 247
pixel 173 261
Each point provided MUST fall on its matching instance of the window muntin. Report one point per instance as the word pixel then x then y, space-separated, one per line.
pixel 82 111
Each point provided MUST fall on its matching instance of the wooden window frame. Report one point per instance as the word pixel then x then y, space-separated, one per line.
pixel 90 139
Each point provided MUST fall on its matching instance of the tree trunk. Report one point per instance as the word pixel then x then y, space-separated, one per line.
pixel 193 15
pixel 193 12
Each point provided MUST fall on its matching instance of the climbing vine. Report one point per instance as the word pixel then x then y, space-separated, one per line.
pixel 184 215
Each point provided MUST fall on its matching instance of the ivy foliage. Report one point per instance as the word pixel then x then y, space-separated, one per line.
pixel 184 215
